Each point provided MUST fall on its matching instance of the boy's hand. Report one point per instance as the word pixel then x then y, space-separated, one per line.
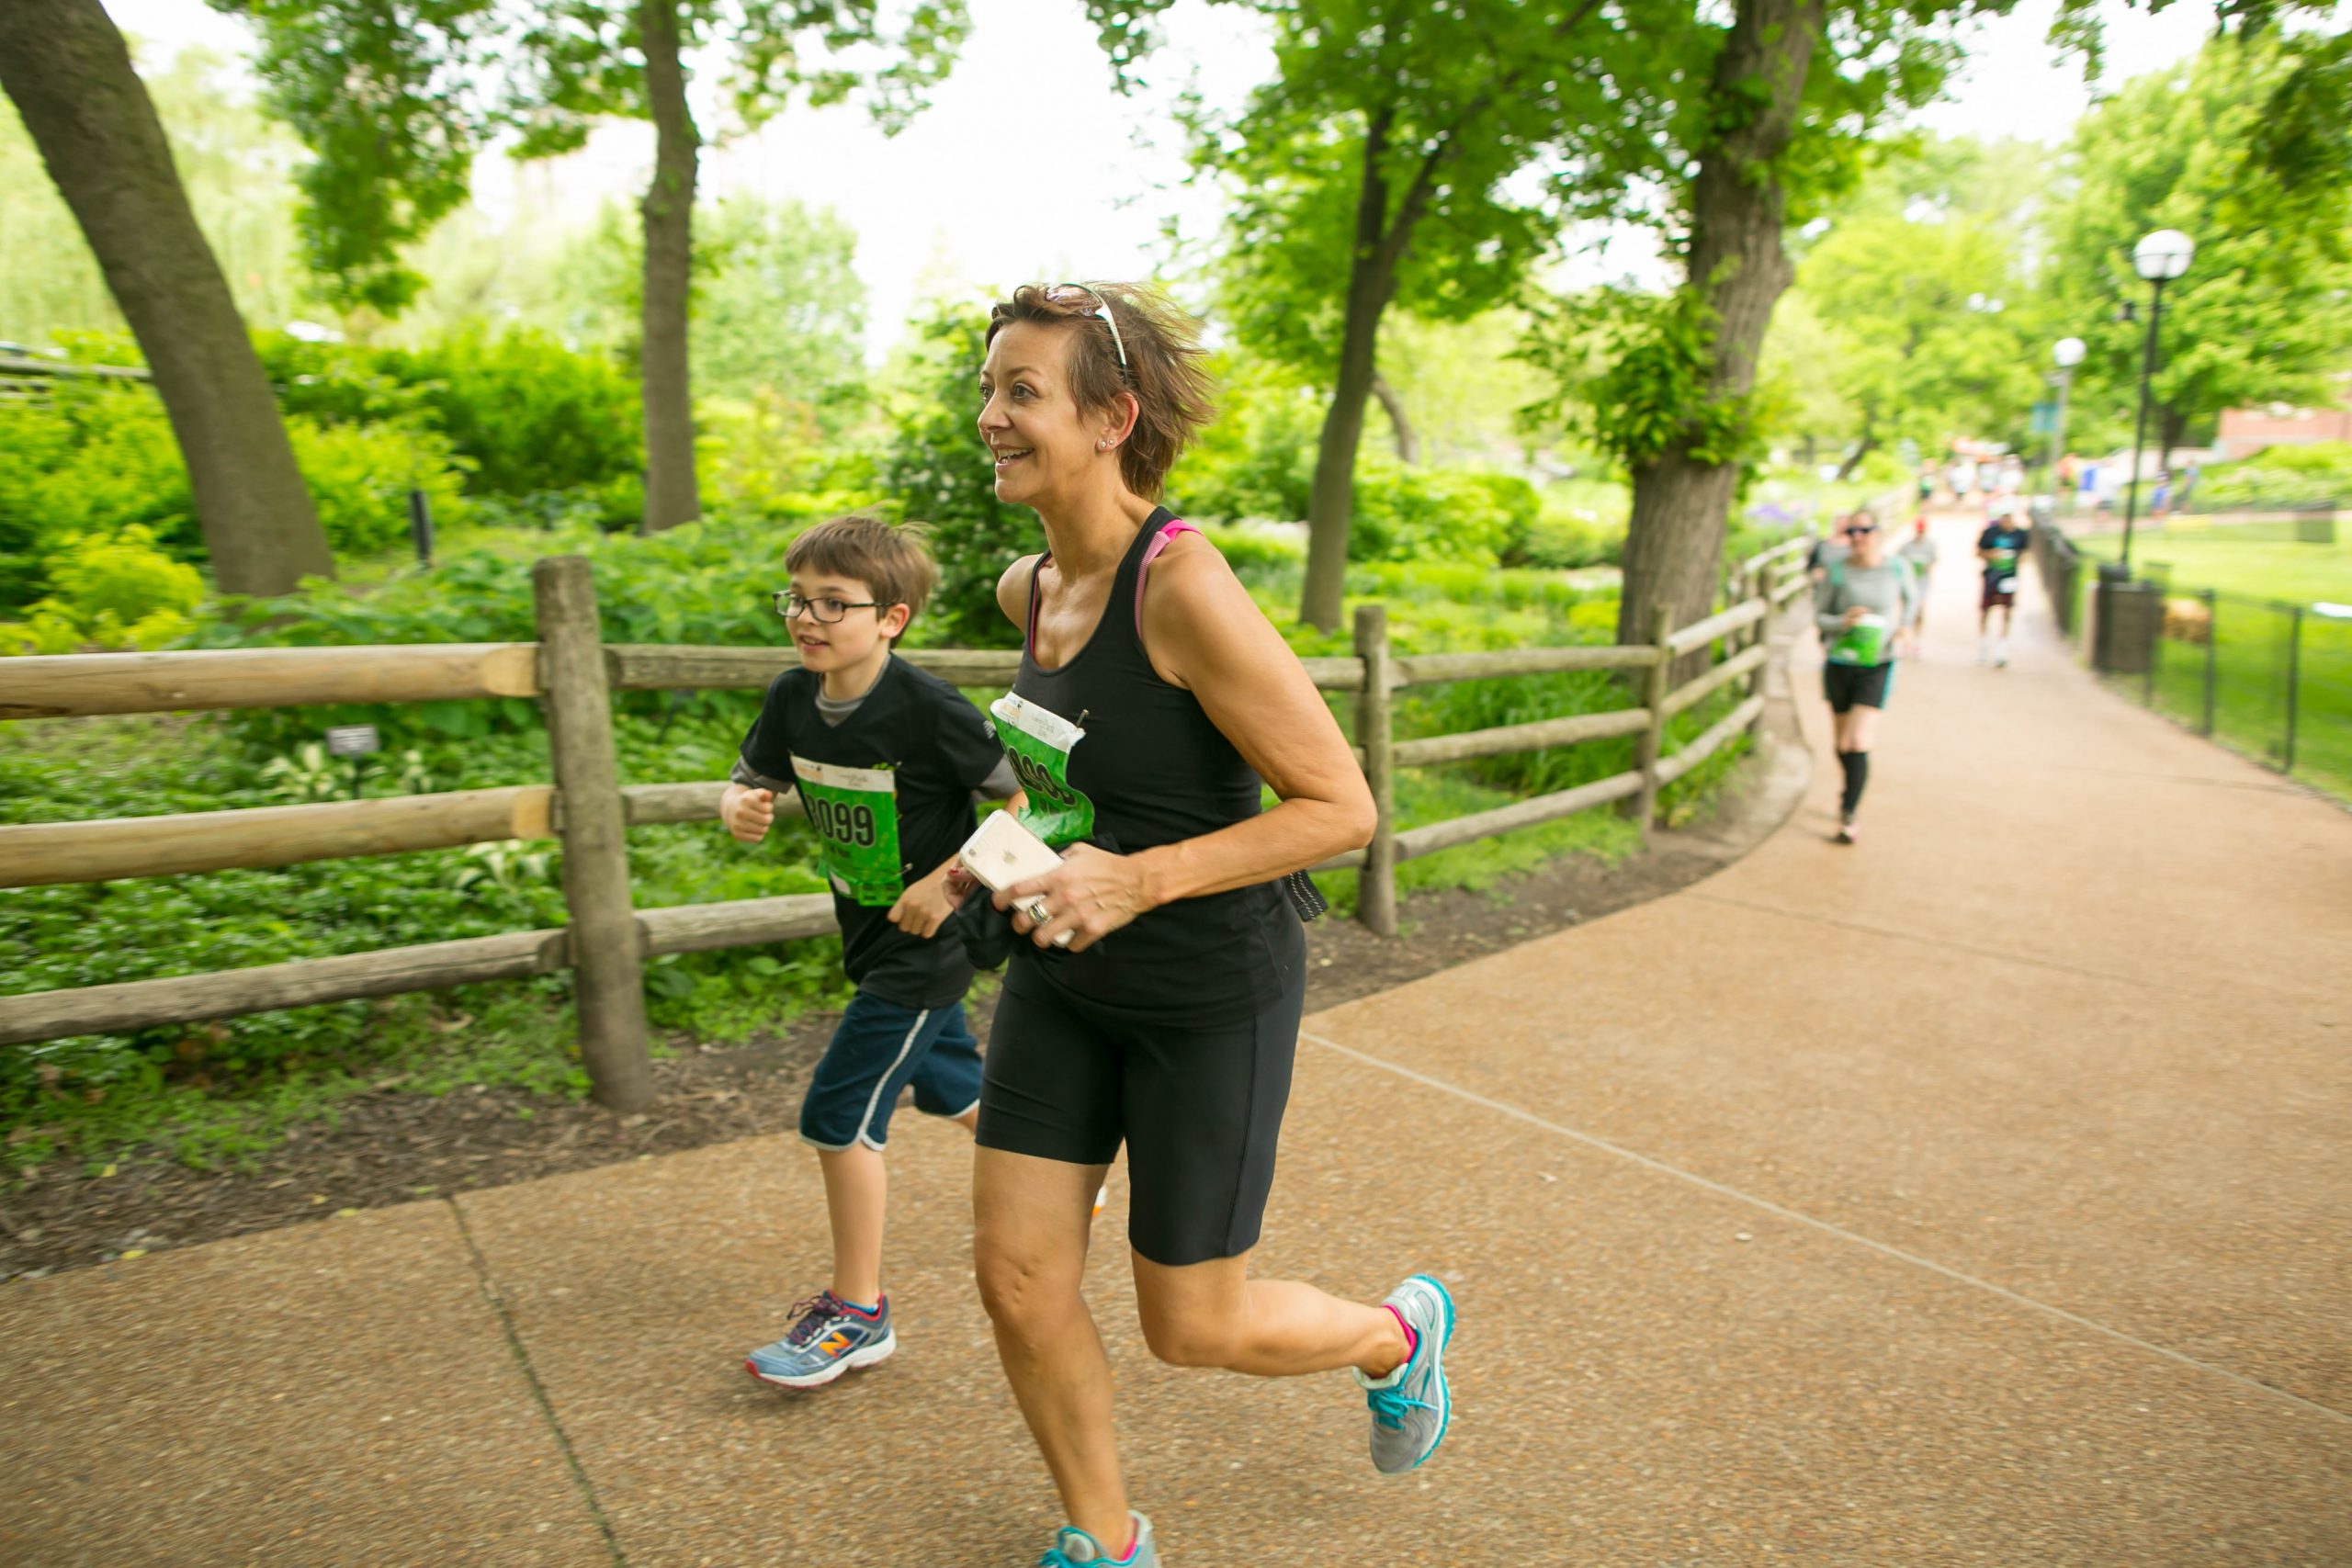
pixel 1852 617
pixel 749 814
pixel 924 907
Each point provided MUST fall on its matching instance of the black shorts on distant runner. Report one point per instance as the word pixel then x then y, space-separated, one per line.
pixel 1856 685
pixel 1199 1106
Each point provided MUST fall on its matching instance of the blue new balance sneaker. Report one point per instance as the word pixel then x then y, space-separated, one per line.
pixel 827 1338
pixel 1073 1548
pixel 1410 1406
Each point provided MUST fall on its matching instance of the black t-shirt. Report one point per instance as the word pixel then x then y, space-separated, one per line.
pixel 1997 537
pixel 889 792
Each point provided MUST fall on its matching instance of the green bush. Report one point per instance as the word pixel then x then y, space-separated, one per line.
pixel 525 413
pixel 359 476
pixel 100 458
pixel 1255 460
pixel 937 472
pixel 116 592
pixel 2278 477
pixel 1439 514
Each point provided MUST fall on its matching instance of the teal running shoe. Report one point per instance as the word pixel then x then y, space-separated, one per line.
pixel 1410 1406
pixel 827 1338
pixel 1074 1547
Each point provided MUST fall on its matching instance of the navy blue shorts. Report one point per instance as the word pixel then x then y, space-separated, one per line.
pixel 878 1049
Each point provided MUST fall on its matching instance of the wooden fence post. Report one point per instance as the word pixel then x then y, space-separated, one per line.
pixel 607 962
pixel 1768 582
pixel 1375 732
pixel 1652 744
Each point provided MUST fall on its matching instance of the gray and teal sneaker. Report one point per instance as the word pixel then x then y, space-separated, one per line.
pixel 1410 1406
pixel 1073 1547
pixel 828 1338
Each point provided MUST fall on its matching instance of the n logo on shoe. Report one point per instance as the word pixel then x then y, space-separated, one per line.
pixel 835 1342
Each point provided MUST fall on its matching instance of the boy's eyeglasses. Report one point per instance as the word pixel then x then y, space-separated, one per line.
pixel 828 611
pixel 1061 291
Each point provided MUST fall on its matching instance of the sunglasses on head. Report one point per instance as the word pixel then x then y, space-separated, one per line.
pixel 1062 293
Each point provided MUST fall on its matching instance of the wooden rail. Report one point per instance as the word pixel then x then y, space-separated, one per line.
pixel 607 941
pixel 73 684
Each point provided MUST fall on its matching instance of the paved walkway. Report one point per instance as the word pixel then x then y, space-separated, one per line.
pixel 1975 1195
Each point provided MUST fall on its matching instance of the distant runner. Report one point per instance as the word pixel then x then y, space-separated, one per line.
pixel 1862 605
pixel 1920 551
pixel 2001 547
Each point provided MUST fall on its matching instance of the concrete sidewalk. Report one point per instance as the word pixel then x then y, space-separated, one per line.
pixel 1977 1195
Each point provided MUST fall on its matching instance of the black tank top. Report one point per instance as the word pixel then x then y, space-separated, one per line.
pixel 1151 769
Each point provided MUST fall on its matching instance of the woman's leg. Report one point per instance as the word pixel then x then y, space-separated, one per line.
pixel 1212 1314
pixel 1030 1218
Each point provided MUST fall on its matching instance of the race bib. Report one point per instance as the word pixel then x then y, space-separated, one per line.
pixel 1037 741
pixel 855 813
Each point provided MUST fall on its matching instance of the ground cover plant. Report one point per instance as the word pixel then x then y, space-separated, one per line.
pixel 221 1091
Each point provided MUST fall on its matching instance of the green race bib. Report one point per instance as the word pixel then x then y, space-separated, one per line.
pixel 1861 643
pixel 855 813
pixel 1037 743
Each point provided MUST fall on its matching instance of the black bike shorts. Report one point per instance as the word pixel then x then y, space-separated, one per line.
pixel 1199 1107
pixel 1856 685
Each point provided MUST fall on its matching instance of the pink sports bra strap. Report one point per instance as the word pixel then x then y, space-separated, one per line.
pixel 1151 552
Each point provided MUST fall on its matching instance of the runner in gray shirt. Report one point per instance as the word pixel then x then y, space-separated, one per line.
pixel 1863 605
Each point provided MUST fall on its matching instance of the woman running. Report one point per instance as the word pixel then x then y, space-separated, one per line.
pixel 1863 604
pixel 1152 699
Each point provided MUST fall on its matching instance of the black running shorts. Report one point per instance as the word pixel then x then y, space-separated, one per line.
pixel 1199 1107
pixel 1856 685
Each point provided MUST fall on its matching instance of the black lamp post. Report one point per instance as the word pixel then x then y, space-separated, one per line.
pixel 2066 352
pixel 2160 258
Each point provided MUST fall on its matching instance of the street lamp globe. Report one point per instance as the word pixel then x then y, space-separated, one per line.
pixel 2068 352
pixel 2163 255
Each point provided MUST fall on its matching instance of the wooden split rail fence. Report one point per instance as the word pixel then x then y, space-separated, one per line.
pixel 572 671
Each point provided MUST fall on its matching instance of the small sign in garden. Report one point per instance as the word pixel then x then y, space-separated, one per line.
pixel 353 741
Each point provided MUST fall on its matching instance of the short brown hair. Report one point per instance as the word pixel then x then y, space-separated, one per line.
pixel 892 559
pixel 1173 392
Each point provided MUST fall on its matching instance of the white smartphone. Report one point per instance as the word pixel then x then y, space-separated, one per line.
pixel 1003 855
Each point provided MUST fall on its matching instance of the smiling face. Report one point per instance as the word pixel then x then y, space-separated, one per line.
pixel 1046 447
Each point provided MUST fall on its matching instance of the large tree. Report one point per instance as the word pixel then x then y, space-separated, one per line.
pixel 396 98
pixel 1411 157
pixel 2266 309
pixel 1796 89
pixel 67 69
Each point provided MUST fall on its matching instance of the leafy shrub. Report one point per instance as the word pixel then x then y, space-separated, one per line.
pixel 359 475
pixel 936 470
pixel 100 458
pixel 525 412
pixel 1439 514
pixel 1582 524
pixel 1255 460
pixel 2278 477
pixel 112 593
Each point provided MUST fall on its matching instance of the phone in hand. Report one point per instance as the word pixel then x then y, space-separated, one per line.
pixel 1002 853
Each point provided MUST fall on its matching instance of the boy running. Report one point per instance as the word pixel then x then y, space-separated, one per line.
pixel 888 762
pixel 2001 547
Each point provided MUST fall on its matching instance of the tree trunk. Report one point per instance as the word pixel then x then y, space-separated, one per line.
pixel 671 496
pixel 1863 449
pixel 1408 446
pixel 1330 503
pixel 1739 268
pixel 66 68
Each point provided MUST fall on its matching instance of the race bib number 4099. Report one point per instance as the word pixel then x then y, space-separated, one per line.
pixel 855 813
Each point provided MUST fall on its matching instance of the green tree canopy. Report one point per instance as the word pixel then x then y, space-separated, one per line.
pixel 2265 307
pixel 1419 157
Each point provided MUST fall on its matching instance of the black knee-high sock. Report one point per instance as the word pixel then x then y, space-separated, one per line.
pixel 1857 765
